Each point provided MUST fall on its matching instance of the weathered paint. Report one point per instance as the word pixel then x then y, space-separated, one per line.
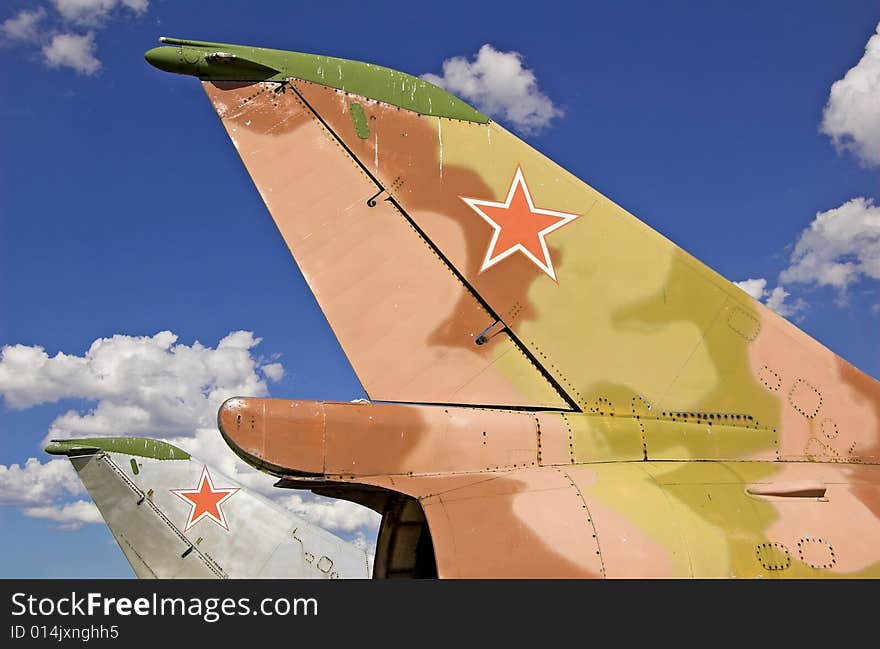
pixel 631 413
pixel 226 62
pixel 351 253
pixel 137 446
pixel 359 120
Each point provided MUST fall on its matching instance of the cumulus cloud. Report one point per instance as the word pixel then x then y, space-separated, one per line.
pixel 841 246
pixel 59 34
pixel 852 115
pixel 151 386
pixel 76 51
pixel 72 516
pixel 754 287
pixel 775 299
pixel 38 489
pixel 499 85
pixel 36 483
pixel 142 385
pixel 333 514
pixel 23 26
pixel 93 12
pixel 273 371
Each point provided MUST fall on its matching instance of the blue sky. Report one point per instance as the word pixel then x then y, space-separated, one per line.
pixel 125 210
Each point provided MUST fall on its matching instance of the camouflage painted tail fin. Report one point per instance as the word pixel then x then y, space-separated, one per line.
pixel 493 277
pixel 459 267
pixel 175 517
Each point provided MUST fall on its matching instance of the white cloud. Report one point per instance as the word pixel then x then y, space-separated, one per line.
pixel 61 46
pixel 142 384
pixel 75 51
pixel 93 12
pixel 38 489
pixel 841 246
pixel 149 386
pixel 273 371
pixel 36 483
pixel 852 114
pixel 87 12
pixel 754 287
pixel 24 26
pixel 777 299
pixel 332 514
pixel 498 85
pixel 72 515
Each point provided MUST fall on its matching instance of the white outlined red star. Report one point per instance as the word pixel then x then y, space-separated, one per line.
pixel 205 501
pixel 519 225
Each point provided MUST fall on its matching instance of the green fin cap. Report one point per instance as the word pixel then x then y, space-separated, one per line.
pixel 225 62
pixel 138 446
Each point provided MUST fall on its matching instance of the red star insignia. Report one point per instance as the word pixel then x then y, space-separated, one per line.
pixel 519 225
pixel 205 501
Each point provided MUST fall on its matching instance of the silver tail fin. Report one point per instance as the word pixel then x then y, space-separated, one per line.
pixel 176 517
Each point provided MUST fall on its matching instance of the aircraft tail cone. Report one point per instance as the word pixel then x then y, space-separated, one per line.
pixel 274 435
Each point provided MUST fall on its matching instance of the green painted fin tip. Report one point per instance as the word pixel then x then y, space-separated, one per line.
pixel 226 62
pixel 138 446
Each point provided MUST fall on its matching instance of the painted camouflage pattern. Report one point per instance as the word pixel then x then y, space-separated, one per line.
pixel 640 416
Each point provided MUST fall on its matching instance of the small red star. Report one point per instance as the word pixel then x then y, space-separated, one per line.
pixel 519 225
pixel 205 500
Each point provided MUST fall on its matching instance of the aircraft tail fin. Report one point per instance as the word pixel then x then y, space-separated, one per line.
pixel 174 516
pixel 493 277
